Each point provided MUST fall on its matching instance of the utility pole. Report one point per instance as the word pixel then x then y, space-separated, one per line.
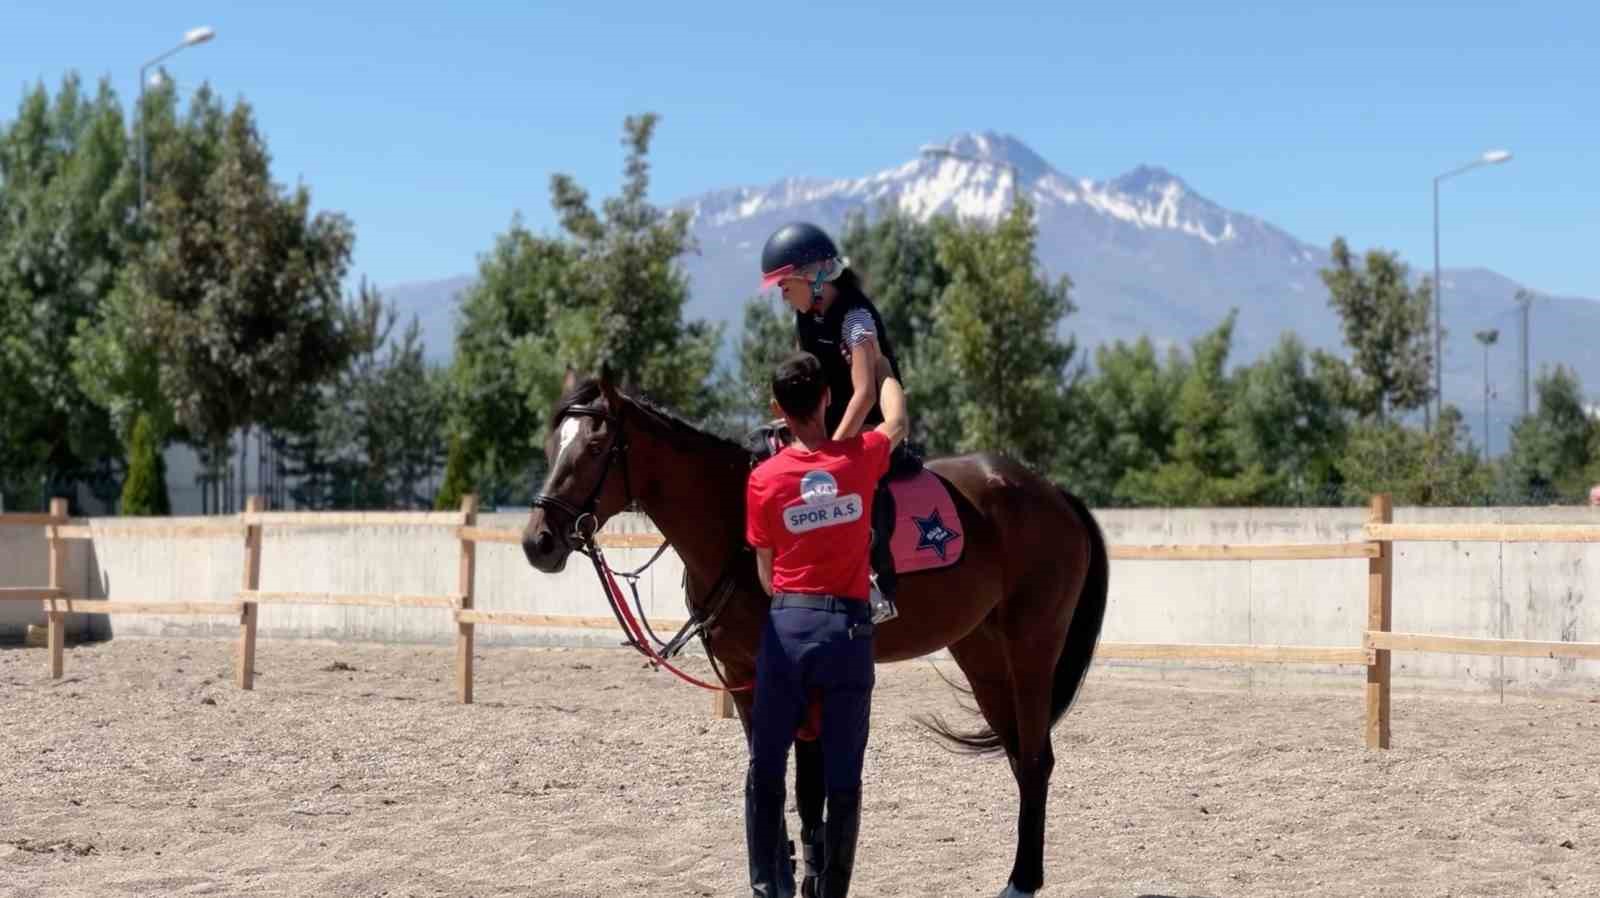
pixel 1487 338
pixel 1525 300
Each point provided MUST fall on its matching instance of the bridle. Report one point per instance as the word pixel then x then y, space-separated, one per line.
pixel 580 537
pixel 576 538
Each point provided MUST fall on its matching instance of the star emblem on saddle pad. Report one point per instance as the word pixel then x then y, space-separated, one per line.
pixel 934 534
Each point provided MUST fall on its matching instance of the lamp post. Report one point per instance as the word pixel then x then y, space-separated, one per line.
pixel 193 37
pixel 1487 338
pixel 1492 157
pixel 935 151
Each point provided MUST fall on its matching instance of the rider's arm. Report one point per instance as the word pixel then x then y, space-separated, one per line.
pixel 864 358
pixel 892 400
pixel 764 568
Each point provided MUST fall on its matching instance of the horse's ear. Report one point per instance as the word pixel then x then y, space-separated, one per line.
pixel 608 387
pixel 570 382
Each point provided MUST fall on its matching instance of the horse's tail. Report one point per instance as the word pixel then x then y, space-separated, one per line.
pixel 1084 631
pixel 1076 651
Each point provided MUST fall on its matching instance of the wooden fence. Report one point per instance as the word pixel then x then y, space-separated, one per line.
pixel 1378 642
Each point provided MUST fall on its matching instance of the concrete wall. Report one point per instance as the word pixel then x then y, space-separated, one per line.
pixel 1519 591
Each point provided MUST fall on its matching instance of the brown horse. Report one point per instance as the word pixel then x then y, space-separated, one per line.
pixel 1020 613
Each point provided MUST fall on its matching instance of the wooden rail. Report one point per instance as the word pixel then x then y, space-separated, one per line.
pixel 1377 641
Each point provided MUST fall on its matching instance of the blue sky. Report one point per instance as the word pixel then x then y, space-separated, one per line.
pixel 430 124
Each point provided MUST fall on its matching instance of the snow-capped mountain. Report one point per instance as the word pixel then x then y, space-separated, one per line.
pixel 1147 254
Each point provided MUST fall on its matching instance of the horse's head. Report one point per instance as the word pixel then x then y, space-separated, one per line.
pixel 588 482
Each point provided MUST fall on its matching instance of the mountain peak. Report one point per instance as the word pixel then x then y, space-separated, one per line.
pixel 1148 179
pixel 994 147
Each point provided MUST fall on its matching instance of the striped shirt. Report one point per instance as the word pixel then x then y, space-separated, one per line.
pixel 858 327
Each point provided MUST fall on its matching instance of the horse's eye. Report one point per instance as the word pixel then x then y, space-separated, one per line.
pixel 596 447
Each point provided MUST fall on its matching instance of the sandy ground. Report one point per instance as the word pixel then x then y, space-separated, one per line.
pixel 144 772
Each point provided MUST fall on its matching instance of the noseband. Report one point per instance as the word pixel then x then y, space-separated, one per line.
pixel 583 518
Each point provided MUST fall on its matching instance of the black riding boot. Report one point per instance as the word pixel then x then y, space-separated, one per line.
pixel 839 842
pixel 767 841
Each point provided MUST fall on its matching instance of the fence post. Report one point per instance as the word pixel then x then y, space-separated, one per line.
pixel 464 631
pixel 252 582
pixel 57 620
pixel 1380 605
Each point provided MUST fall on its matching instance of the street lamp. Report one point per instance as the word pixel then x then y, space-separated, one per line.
pixel 191 38
pixel 1493 157
pixel 1487 338
pixel 936 151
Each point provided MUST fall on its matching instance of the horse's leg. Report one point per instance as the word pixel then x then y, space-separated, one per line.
pixel 1032 759
pixel 1012 681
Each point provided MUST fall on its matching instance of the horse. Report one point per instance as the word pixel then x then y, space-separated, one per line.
pixel 1020 613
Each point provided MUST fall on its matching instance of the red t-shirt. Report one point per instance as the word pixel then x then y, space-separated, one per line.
pixel 814 511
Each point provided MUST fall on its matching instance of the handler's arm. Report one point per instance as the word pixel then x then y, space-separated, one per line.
pixel 764 568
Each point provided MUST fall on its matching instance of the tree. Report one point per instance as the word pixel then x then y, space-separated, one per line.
pixel 768 336
pixel 897 257
pixel 1552 449
pixel 626 292
pixel 1286 419
pixel 1126 419
pixel 145 490
pixel 1386 328
pixel 1205 468
pixel 997 320
pixel 65 229
pixel 502 327
pixel 238 294
pixel 1416 468
pixel 456 484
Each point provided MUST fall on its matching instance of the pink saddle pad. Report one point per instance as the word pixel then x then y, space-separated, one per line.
pixel 927 529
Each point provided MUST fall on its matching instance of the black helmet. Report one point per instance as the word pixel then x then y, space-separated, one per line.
pixel 792 247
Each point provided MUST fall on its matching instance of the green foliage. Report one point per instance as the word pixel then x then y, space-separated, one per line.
pixel 897 257
pixel 1416 468
pixel 1126 419
pixel 375 438
pixel 145 490
pixel 1553 455
pixel 456 485
pixel 997 323
pixel 1285 418
pixel 1386 328
pixel 66 198
pixel 500 388
pixel 626 292
pixel 768 336
pixel 1204 468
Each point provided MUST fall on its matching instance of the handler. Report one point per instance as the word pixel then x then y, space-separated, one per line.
pixel 808 517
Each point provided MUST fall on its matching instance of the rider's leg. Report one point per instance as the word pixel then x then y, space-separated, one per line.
pixel 883 513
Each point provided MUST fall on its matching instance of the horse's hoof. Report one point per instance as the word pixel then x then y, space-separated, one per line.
pixel 1011 891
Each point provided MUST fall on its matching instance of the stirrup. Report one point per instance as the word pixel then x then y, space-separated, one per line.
pixel 883 608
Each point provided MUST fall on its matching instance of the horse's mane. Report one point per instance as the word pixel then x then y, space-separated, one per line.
pixel 667 422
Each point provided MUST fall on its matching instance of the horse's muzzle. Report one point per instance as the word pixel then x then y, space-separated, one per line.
pixel 545 552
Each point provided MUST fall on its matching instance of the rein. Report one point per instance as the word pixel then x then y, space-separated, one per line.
pixel 637 630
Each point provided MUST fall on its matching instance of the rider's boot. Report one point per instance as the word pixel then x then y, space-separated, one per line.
pixel 839 842
pixel 771 854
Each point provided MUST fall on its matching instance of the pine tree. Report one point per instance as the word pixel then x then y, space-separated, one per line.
pixel 145 491
pixel 997 321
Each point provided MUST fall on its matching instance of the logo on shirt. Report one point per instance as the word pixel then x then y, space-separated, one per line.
pixel 822 506
pixel 818 486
